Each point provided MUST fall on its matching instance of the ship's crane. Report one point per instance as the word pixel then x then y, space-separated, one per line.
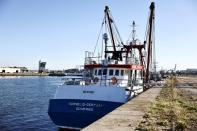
pixel 117 48
pixel 116 40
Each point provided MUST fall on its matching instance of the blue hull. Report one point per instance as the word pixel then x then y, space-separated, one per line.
pixel 78 114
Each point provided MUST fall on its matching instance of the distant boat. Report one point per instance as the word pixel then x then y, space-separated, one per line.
pixel 72 80
pixel 74 74
pixel 56 74
pixel 109 81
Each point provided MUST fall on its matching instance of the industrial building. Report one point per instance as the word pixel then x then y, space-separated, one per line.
pixel 41 67
pixel 13 69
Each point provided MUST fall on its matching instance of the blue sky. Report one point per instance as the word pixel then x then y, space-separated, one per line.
pixel 59 31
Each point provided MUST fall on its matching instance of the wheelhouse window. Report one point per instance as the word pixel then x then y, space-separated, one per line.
pixel 99 72
pixel 117 72
pixel 104 71
pixel 126 72
pixel 95 72
pixel 111 72
pixel 122 72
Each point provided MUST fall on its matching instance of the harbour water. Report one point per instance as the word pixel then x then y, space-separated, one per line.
pixel 24 103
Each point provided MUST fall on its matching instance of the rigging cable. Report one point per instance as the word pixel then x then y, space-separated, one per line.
pixel 147 30
pixel 98 37
pixel 145 39
pixel 102 47
pixel 117 30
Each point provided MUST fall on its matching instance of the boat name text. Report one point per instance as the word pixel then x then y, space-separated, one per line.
pixel 91 92
pixel 84 106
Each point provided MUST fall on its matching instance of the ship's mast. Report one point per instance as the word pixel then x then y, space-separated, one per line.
pixel 133 31
pixel 105 37
pixel 114 36
pixel 109 20
pixel 149 39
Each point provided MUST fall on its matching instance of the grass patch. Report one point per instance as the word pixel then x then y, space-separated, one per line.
pixel 173 109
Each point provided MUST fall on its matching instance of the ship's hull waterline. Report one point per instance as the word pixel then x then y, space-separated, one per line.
pixel 77 114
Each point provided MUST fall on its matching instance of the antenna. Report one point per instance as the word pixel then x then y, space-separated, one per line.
pixel 133 31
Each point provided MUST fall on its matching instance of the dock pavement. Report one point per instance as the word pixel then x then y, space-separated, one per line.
pixel 128 116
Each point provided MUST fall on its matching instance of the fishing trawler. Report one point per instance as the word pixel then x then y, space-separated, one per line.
pixel 110 79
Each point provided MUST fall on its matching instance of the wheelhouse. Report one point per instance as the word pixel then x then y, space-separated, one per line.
pixel 112 73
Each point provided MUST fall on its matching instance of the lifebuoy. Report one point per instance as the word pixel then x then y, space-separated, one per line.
pixel 114 80
pixel 95 80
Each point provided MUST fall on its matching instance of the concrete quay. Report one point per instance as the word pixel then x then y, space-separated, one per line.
pixel 128 116
pixel 23 74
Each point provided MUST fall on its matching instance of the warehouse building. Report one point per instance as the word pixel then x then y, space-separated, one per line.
pixel 13 69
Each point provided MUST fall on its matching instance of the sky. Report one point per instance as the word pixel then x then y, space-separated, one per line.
pixel 60 31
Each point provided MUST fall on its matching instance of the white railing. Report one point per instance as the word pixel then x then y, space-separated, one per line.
pixel 92 60
pixel 98 60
